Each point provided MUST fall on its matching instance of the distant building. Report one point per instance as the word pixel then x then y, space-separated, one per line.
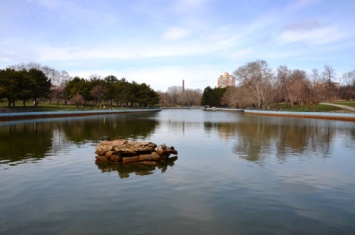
pixel 226 80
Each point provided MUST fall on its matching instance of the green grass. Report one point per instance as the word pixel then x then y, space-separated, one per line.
pixel 305 108
pixel 348 103
pixel 43 107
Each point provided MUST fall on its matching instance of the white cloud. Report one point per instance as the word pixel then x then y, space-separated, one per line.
pixel 49 4
pixel 176 33
pixel 311 35
pixel 303 25
pixel 190 7
pixel 193 3
pixel 301 4
pixel 242 54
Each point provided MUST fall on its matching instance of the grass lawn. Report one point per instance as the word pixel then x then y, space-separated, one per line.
pixel 299 108
pixel 348 103
pixel 43 107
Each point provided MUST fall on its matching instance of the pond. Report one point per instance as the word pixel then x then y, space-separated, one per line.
pixel 234 174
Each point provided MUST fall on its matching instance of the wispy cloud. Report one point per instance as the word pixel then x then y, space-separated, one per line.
pixel 301 4
pixel 303 26
pixel 176 33
pixel 311 32
pixel 242 54
pixel 192 39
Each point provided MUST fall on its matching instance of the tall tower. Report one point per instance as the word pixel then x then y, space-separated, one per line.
pixel 183 85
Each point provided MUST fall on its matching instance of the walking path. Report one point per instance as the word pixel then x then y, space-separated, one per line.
pixel 341 106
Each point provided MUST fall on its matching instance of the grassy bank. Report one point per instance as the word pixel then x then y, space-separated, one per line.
pixel 299 108
pixel 44 107
pixel 348 103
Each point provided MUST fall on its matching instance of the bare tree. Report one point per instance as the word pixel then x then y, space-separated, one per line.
pixel 164 98
pixel 236 97
pixel 328 76
pixel 347 90
pixel 297 85
pixel 282 77
pixel 348 78
pixel 316 91
pixel 174 93
pixel 190 97
pixel 257 79
pixel 57 77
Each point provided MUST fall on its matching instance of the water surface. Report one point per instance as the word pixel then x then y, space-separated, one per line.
pixel 235 174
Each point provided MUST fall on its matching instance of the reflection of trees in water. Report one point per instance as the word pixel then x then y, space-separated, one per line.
pixel 126 169
pixel 114 126
pixel 20 142
pixel 350 137
pixel 181 126
pixel 35 139
pixel 258 138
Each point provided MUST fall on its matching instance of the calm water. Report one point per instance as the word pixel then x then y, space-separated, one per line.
pixel 235 174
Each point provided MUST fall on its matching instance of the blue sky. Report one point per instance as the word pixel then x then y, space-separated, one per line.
pixel 162 42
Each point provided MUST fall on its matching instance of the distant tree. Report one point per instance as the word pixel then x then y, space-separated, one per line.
pixel 190 97
pixel 174 92
pixel 164 98
pixel 23 85
pixel 147 96
pixel 212 97
pixel 328 76
pixel 110 88
pixel 57 93
pixel 9 85
pixel 98 92
pixel 316 91
pixel 78 100
pixel 57 77
pixel 41 85
pixel 297 85
pixel 282 78
pixel 257 78
pixel 232 97
pixel 122 89
pixel 347 90
pixel 78 86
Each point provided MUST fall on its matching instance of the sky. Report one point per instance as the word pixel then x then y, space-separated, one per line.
pixel 162 42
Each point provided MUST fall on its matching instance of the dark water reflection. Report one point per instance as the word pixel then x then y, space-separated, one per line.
pixel 235 174
pixel 35 139
pixel 259 137
pixel 125 170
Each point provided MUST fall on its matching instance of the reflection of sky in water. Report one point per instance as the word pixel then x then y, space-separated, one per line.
pixel 235 174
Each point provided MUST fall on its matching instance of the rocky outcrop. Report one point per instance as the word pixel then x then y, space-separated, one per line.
pixel 131 151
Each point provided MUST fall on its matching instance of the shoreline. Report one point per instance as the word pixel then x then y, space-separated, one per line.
pixel 9 116
pixel 320 115
pixel 316 115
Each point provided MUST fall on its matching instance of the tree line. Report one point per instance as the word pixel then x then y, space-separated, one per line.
pixel 259 87
pixel 35 82
pixel 178 96
pixel 108 91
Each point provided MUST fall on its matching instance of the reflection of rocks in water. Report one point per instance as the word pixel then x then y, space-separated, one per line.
pixel 127 157
pixel 131 151
pixel 139 168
